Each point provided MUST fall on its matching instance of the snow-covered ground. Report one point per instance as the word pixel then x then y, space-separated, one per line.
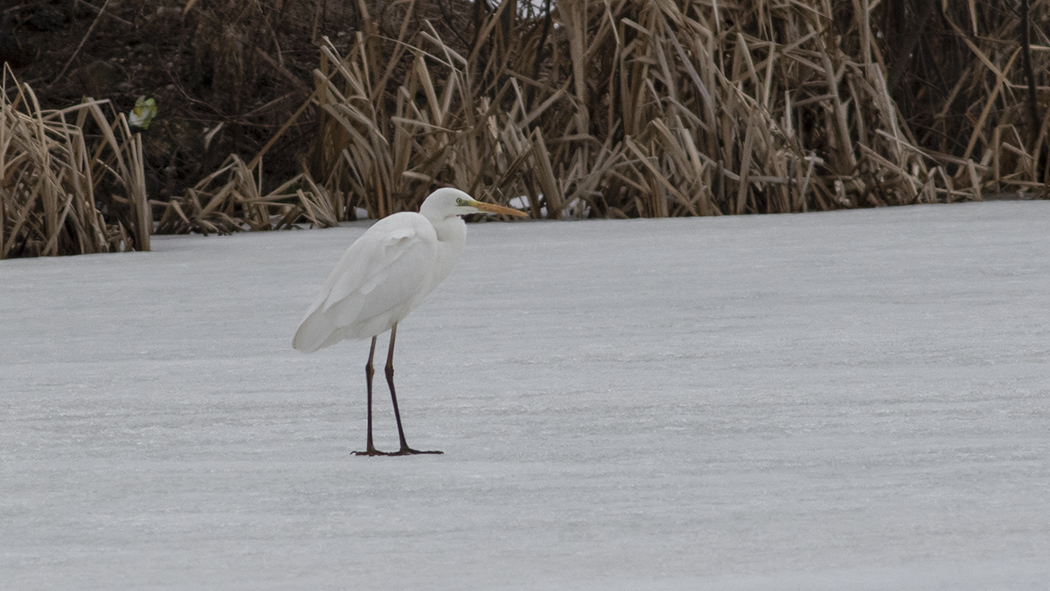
pixel 839 401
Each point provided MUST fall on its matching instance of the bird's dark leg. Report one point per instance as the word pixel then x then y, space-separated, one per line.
pixel 405 450
pixel 370 449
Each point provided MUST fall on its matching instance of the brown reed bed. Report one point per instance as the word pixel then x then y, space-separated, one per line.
pixel 232 199
pixel 619 108
pixel 627 108
pixel 71 180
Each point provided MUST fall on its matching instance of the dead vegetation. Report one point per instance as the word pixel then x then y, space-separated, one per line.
pixel 71 180
pixel 624 108
pixel 628 108
pixel 232 199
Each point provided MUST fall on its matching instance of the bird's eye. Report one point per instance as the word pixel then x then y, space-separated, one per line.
pixel 460 201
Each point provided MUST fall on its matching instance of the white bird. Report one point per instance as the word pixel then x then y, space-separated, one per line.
pixel 383 276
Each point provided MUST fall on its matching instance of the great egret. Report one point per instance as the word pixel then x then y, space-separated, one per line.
pixel 383 276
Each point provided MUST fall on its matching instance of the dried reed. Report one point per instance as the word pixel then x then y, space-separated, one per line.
pixel 631 108
pixel 71 180
pixel 231 199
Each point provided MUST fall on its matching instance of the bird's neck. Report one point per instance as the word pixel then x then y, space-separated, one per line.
pixel 451 230
pixel 452 237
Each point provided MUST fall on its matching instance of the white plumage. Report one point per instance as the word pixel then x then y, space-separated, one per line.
pixel 384 275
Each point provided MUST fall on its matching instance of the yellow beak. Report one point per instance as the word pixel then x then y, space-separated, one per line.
pixel 490 208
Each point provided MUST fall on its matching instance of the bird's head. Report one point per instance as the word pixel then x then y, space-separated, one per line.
pixel 448 202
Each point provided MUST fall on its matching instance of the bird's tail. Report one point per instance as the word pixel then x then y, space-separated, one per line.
pixel 312 334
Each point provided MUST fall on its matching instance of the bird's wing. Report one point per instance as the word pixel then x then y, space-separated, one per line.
pixel 376 282
pixel 395 267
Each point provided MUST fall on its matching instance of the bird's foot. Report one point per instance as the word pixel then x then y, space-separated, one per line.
pixel 404 451
pixel 408 451
pixel 371 451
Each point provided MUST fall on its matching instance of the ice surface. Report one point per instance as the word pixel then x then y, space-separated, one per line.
pixel 845 400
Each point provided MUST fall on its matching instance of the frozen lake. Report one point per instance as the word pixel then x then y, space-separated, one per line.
pixel 844 400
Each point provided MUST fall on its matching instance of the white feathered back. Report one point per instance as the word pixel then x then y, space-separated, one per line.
pixel 386 273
